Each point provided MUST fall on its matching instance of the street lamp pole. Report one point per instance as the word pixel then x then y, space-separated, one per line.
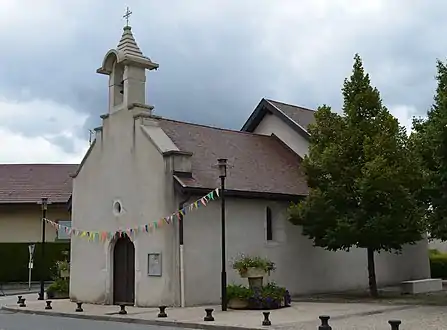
pixel 44 204
pixel 222 164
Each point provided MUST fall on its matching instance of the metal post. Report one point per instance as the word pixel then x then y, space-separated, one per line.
pixel 29 276
pixel 31 248
pixel 42 261
pixel 224 259
pixel 222 163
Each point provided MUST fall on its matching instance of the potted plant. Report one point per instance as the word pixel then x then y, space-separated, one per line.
pixel 253 267
pixel 59 289
pixel 63 268
pixel 238 296
pixel 269 296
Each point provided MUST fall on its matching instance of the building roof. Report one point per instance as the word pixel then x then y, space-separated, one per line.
pixel 300 115
pixel 298 118
pixel 28 183
pixel 257 163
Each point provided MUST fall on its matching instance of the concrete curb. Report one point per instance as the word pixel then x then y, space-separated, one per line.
pixel 177 324
pixel 189 325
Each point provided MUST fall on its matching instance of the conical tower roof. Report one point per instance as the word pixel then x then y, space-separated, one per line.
pixel 128 45
pixel 127 52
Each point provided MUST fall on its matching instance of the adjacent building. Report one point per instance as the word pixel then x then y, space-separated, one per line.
pixel 22 187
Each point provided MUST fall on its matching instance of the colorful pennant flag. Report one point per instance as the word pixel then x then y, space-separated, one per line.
pixel 102 236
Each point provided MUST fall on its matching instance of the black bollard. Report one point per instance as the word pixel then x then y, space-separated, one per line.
pixel 266 318
pixel 122 310
pixel 394 324
pixel 162 311
pixel 22 302
pixel 48 306
pixel 79 308
pixel 209 314
pixel 324 323
pixel 19 299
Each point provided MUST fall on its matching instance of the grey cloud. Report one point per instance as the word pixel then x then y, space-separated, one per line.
pixel 214 71
pixel 63 142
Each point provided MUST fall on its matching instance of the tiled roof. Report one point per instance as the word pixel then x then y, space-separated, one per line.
pixel 300 115
pixel 28 183
pixel 257 163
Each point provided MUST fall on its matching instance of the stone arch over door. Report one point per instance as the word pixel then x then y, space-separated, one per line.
pixel 124 271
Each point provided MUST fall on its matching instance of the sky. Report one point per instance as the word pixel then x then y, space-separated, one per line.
pixel 218 59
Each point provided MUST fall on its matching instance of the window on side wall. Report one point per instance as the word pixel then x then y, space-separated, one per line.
pixel 269 224
pixel 62 232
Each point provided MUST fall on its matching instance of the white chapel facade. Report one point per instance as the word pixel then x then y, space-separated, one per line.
pixel 142 167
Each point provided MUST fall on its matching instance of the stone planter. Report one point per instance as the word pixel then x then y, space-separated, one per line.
pixel 255 282
pixel 254 273
pixel 57 295
pixel 236 303
pixel 65 273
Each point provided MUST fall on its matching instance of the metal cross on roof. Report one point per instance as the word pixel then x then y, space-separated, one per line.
pixel 127 15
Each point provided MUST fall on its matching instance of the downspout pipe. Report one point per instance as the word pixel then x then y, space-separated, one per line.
pixel 182 260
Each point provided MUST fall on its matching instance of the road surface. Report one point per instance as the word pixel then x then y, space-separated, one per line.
pixel 20 321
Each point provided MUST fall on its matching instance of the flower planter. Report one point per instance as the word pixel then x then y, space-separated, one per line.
pixel 65 273
pixel 237 303
pixel 57 295
pixel 254 273
pixel 255 282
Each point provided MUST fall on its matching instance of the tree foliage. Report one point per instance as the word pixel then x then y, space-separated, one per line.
pixel 430 140
pixel 363 178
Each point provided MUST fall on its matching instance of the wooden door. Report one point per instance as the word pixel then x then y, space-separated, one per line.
pixel 124 271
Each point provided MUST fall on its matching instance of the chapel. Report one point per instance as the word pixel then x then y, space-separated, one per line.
pixel 146 211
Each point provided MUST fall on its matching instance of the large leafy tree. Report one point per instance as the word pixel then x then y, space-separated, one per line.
pixel 430 140
pixel 363 179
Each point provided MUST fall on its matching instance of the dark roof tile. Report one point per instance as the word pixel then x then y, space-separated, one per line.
pixel 300 115
pixel 28 183
pixel 257 163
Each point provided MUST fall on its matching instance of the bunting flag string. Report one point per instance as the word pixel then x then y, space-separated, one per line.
pixel 102 236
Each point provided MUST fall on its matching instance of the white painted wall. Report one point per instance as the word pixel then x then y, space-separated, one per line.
pixel 272 124
pixel 301 267
pixel 123 165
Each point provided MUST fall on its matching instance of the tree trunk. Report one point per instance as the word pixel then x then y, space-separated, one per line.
pixel 372 274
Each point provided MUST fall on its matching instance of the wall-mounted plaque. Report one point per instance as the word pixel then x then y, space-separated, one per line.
pixel 154 264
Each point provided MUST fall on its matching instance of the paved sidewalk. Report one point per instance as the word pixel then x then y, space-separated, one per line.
pixel 299 316
pixel 7 289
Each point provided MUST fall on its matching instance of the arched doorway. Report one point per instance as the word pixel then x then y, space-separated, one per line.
pixel 124 271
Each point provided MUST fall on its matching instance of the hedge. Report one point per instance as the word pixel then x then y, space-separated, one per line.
pixel 14 258
pixel 438 264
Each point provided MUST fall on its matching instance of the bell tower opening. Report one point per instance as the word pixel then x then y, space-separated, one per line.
pixel 118 85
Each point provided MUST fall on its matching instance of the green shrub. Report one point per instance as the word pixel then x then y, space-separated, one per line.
pixel 438 264
pixel 270 296
pixel 235 291
pixel 60 285
pixel 14 258
pixel 433 252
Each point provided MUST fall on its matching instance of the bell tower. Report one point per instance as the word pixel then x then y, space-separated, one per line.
pixel 126 67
